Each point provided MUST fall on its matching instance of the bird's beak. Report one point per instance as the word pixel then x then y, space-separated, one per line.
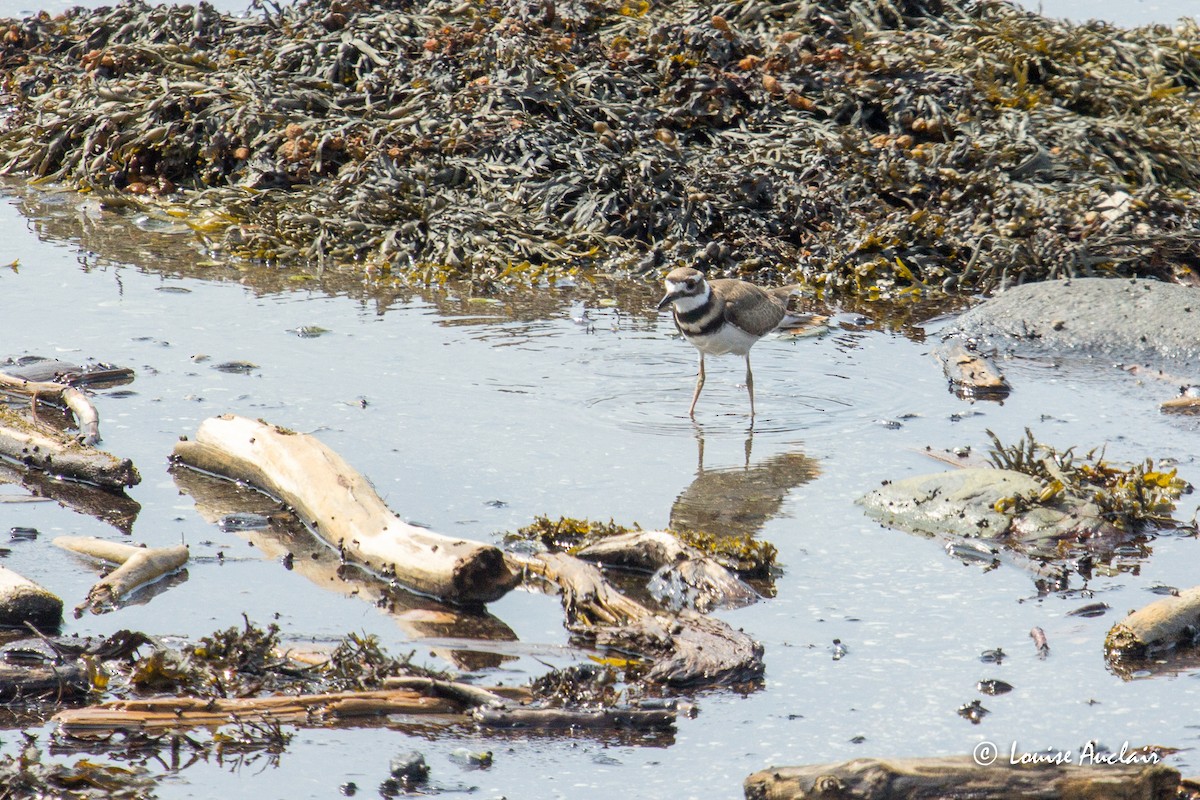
pixel 671 297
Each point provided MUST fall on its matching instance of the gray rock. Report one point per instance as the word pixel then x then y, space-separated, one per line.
pixel 1127 320
pixel 963 503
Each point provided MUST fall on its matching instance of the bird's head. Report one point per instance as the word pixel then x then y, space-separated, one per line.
pixel 684 283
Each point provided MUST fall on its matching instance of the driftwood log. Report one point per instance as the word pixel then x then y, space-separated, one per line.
pixel 342 507
pixel 462 635
pixel 116 508
pixel 961 776
pixel 305 709
pixel 684 576
pixel 23 601
pixel 86 416
pixel 138 566
pixel 57 453
pixel 550 719
pixel 43 680
pixel 1157 627
pixel 971 375
pixel 686 649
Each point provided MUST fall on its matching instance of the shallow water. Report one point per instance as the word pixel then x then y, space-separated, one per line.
pixel 472 416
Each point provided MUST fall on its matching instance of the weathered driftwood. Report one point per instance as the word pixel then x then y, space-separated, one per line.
pixel 494 710
pixel 57 453
pixel 343 508
pixel 684 575
pixel 961 776
pixel 306 709
pixel 465 693
pixel 22 601
pixel 687 649
pixel 1184 404
pixel 138 567
pixel 43 680
pixel 1157 627
pixel 971 374
pixel 462 635
pixel 560 718
pixel 86 416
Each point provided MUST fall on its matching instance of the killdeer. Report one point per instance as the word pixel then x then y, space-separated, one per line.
pixel 722 316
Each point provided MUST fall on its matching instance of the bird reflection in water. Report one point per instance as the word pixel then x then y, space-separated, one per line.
pixel 738 501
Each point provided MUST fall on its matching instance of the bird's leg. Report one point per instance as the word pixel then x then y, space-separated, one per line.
pixel 699 386
pixel 750 386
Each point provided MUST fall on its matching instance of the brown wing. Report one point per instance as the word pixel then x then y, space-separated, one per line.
pixel 750 308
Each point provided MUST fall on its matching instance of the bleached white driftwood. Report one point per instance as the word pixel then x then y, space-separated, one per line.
pixel 342 507
pixel 138 566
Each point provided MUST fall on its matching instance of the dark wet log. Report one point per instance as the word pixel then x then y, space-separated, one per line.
pixel 43 680
pixel 561 718
pixel 971 375
pixel 687 649
pixel 695 580
pixel 138 567
pixel 277 533
pixel 115 508
pixel 1157 627
pixel 342 507
pixel 23 601
pixel 307 709
pixel 961 776
pixel 86 416
pixel 58 453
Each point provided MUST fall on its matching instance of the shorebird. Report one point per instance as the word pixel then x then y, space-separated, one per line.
pixel 722 316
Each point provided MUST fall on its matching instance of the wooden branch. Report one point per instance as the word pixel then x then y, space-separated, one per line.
pixel 691 578
pixel 139 566
pixel 57 453
pixel 22 601
pixel 960 776
pixel 1157 627
pixel 343 508
pixel 587 597
pixel 687 649
pixel 86 416
pixel 306 709
pixel 465 693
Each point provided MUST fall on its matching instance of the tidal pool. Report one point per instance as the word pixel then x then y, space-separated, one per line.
pixel 474 415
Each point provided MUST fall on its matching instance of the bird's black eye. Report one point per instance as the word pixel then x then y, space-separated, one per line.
pixel 690 284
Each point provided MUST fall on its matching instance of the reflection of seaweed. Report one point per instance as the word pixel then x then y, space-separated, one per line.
pixel 1127 497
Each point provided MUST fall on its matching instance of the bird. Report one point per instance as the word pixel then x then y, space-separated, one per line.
pixel 721 316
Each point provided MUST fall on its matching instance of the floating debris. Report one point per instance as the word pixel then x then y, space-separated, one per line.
pixel 873 148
